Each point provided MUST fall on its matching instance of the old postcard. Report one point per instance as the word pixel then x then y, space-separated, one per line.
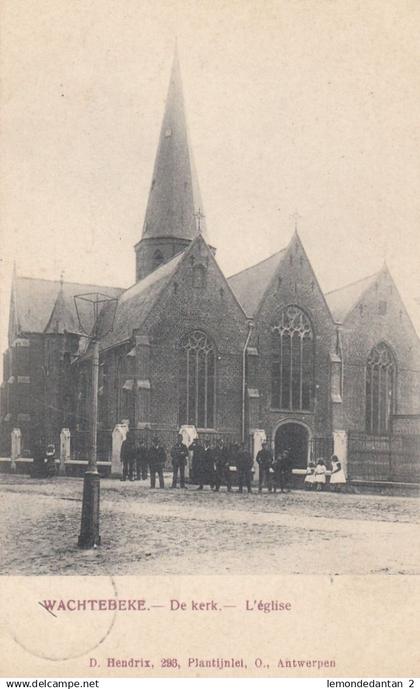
pixel 210 397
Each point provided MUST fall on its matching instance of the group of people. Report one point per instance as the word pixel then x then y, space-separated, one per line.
pixel 316 475
pixel 221 465
pixel 43 465
pixel 212 466
pixel 274 471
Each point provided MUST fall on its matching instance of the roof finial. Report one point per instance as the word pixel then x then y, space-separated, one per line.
pixel 384 250
pixel 175 59
pixel 296 217
pixel 199 215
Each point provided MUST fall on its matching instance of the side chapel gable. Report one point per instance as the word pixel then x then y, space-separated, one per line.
pixel 194 266
pixel 294 282
pixel 381 312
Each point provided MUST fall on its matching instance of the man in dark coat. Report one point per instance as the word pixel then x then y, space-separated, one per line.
pixel 198 462
pixel 38 469
pixel 157 460
pixel 232 464
pixel 209 467
pixel 221 461
pixel 205 467
pixel 128 455
pixel 179 454
pixel 244 465
pixel 265 461
pixel 281 470
pixel 142 461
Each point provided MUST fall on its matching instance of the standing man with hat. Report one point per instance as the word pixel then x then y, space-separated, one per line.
pixel 244 465
pixel 141 461
pixel 157 460
pixel 179 454
pixel 265 461
pixel 221 460
pixel 198 461
pixel 128 452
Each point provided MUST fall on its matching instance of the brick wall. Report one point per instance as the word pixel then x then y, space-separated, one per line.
pixel 154 368
pixel 181 309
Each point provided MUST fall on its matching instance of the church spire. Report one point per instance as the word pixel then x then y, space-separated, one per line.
pixel 174 199
pixel 61 315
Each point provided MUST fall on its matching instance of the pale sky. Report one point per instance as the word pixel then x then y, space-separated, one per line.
pixel 307 106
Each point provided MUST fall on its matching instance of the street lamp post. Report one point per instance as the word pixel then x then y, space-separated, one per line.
pixel 96 319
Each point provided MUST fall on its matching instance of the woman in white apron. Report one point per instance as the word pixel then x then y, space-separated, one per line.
pixel 337 478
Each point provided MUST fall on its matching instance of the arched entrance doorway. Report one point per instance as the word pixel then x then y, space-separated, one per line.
pixel 294 437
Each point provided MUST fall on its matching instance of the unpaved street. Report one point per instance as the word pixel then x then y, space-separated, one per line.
pixel 194 532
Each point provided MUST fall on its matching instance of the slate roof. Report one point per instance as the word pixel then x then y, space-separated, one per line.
pixel 250 284
pixel 37 301
pixel 341 301
pixel 174 196
pixel 134 304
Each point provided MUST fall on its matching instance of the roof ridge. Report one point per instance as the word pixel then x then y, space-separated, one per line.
pixel 151 278
pixel 258 263
pixel 67 282
pixel 161 265
pixel 351 284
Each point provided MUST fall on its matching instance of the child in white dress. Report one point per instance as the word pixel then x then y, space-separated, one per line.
pixel 320 474
pixel 309 477
pixel 337 478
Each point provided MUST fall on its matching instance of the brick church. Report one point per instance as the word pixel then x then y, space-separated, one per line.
pixel 262 353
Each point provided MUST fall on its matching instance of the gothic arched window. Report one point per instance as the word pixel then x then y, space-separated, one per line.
pixel 292 360
pixel 197 389
pixel 380 382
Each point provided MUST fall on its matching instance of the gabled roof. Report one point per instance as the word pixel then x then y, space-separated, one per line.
pixel 135 303
pixel 38 300
pixel 341 301
pixel 174 197
pixel 250 284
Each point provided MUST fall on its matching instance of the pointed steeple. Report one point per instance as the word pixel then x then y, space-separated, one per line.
pixel 61 315
pixel 174 199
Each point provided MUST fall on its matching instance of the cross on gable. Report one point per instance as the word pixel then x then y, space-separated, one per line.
pixel 199 215
pixel 296 217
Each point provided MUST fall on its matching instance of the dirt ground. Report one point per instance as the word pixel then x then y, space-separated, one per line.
pixel 199 532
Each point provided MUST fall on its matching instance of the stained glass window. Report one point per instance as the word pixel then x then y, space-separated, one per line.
pixel 292 357
pixel 380 381
pixel 197 380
